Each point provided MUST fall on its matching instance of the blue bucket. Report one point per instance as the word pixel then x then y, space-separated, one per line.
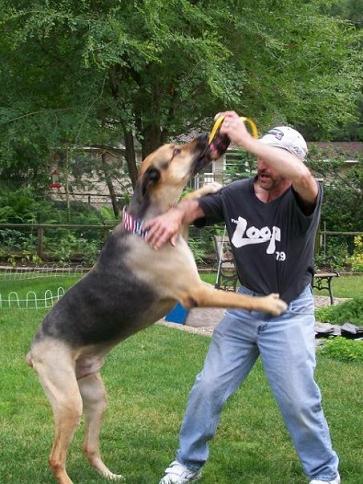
pixel 178 314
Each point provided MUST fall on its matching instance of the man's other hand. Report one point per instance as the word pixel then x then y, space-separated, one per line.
pixel 164 228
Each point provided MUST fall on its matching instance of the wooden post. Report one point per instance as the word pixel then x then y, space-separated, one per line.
pixel 67 185
pixel 105 234
pixel 317 241
pixel 324 239
pixel 40 242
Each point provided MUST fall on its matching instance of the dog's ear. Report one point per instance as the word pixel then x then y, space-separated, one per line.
pixel 149 178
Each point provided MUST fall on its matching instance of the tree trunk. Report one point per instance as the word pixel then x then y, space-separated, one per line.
pixel 130 156
pixel 67 185
pixel 109 184
pixel 152 139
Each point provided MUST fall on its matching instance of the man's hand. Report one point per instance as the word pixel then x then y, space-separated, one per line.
pixel 164 228
pixel 235 129
pixel 285 163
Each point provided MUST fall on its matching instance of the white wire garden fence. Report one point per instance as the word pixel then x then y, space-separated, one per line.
pixel 31 300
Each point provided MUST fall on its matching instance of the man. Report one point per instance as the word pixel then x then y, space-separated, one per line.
pixel 271 221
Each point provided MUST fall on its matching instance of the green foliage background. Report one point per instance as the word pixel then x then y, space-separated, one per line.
pixel 86 72
pixel 139 73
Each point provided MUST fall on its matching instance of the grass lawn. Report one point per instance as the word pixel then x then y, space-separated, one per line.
pixel 346 286
pixel 22 293
pixel 39 286
pixel 148 379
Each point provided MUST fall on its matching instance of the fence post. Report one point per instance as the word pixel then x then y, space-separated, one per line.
pixel 317 245
pixel 40 242
pixel 106 232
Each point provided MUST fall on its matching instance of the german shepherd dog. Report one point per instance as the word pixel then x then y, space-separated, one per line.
pixel 130 287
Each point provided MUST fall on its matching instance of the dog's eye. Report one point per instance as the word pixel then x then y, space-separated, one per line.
pixel 176 152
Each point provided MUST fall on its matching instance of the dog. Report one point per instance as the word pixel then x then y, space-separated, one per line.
pixel 130 287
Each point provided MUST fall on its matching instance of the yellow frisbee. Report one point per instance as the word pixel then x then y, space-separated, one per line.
pixel 219 121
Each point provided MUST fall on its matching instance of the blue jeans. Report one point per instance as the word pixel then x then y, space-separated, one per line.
pixel 287 348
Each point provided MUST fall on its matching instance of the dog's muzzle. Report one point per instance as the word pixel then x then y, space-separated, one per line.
pixel 206 152
pixel 202 154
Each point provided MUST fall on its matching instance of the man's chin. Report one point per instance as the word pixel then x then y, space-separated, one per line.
pixel 265 183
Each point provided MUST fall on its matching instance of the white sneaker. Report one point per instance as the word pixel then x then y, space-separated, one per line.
pixel 178 473
pixel 319 481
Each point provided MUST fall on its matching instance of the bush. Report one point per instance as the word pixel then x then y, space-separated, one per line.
pixel 356 260
pixel 26 206
pixel 335 256
pixel 73 247
pixel 342 208
pixel 202 245
pixel 349 311
pixel 343 349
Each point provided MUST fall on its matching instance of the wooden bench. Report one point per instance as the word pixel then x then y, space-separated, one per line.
pixel 322 281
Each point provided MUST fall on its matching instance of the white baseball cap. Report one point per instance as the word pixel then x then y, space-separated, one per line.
pixel 288 139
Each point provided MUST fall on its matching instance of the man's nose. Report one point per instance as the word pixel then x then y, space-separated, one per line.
pixel 261 165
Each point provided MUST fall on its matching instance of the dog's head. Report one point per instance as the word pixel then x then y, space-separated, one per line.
pixel 166 171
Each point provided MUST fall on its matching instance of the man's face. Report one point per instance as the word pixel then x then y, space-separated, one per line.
pixel 267 177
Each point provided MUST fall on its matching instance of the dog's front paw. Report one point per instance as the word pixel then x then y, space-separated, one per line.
pixel 112 477
pixel 274 305
pixel 212 187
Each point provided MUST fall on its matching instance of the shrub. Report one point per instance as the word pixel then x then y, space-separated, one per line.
pixel 68 246
pixel 351 311
pixel 357 258
pixel 24 206
pixel 202 244
pixel 342 208
pixel 343 349
pixel 335 256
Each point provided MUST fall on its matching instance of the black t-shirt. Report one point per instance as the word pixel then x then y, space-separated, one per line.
pixel 272 243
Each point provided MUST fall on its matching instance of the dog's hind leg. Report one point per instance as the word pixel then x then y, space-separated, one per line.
pixel 55 369
pixel 94 404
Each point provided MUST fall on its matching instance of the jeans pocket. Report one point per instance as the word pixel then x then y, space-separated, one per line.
pixel 239 313
pixel 302 306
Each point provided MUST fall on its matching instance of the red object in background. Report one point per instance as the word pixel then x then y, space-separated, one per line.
pixel 55 185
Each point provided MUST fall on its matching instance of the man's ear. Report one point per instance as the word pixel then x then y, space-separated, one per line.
pixel 149 178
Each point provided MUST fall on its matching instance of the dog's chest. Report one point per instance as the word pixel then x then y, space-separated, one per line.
pixel 163 269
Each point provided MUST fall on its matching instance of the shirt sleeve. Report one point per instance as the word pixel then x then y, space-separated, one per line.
pixel 303 221
pixel 212 206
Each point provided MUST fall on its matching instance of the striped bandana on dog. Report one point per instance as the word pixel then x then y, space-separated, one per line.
pixel 133 225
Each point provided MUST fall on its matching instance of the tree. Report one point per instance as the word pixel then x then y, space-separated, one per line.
pixel 353 11
pixel 343 192
pixel 100 72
